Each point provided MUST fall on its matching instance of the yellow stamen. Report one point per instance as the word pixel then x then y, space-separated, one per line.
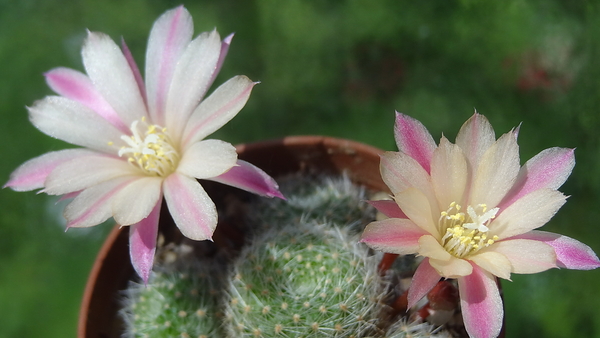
pixel 466 233
pixel 149 147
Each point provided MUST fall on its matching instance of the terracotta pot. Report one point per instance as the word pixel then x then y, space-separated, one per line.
pixel 112 269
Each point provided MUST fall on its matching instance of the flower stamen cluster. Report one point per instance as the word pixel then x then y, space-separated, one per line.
pixel 150 149
pixel 466 234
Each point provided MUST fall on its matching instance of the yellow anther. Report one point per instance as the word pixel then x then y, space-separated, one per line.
pixel 466 232
pixel 150 149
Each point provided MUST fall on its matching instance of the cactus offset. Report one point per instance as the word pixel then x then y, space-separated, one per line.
pixel 178 301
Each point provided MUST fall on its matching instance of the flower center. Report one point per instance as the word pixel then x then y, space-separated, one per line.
pixel 466 233
pixel 150 148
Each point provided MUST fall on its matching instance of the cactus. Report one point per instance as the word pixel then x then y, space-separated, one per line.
pixel 334 200
pixel 403 328
pixel 179 301
pixel 304 280
pixel 301 274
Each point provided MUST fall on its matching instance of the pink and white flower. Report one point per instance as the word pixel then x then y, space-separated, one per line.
pixel 471 210
pixel 142 141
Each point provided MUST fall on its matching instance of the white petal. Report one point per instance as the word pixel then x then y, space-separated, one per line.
pixel 448 173
pixel 393 235
pixel 192 210
pixel 430 247
pixel 93 205
pixel 247 176
pixel 142 243
pixel 526 256
pixel 475 136
pixel 548 169
pixel 416 206
pixel 86 171
pixel 413 139
pixel 170 35
pixel 496 172
pixel 135 201
pixel 527 213
pixel 75 123
pixel 424 279
pixel 570 253
pixel 217 109
pixel 481 304
pixel 208 158
pixel 191 79
pixel 78 87
pixel 452 268
pixel 493 262
pixel 33 173
pixel 400 171
pixel 112 76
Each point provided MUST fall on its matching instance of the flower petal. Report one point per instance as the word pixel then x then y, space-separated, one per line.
pixel 191 79
pixel 424 279
pixel 448 173
pixel 142 242
pixel 73 122
pixel 112 76
pixel 93 205
pixel 32 174
pixel 548 169
pixel 217 109
pixel 452 268
pixel 529 212
pixel 170 35
pixel 389 208
pixel 525 256
pixel 134 69
pixel 497 171
pixel 85 171
pixel 430 247
pixel 475 137
pixel 78 87
pixel 393 235
pixel 481 305
pixel 400 172
pixel 207 158
pixel 415 205
pixel 249 177
pixel 192 210
pixel 570 253
pixel 493 262
pixel 414 139
pixel 224 50
pixel 135 201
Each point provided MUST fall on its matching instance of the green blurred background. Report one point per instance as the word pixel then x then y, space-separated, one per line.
pixel 331 67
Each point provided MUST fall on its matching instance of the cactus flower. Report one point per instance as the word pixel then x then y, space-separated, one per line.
pixel 142 141
pixel 471 211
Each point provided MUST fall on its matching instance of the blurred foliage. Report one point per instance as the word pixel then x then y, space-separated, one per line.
pixel 330 67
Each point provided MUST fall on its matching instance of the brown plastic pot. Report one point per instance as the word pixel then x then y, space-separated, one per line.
pixel 112 270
